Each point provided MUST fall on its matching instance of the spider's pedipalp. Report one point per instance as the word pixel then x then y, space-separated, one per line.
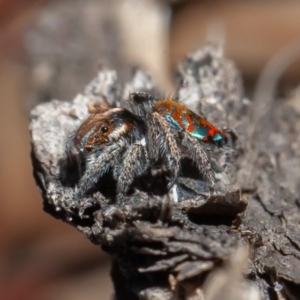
pixel 135 163
pixel 97 164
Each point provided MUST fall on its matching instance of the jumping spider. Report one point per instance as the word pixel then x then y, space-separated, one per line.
pixel 129 143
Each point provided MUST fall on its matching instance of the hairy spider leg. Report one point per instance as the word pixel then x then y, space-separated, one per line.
pixel 180 117
pixel 162 143
pixel 200 157
pixel 135 163
pixel 141 103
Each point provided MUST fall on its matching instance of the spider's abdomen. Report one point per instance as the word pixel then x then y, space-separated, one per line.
pixel 180 117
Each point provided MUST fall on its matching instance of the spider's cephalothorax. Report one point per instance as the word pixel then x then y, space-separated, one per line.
pixel 172 125
pixel 113 139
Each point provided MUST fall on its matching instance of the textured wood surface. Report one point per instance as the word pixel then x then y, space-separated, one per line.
pixel 196 248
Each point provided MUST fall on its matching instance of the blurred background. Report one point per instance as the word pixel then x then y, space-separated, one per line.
pixel 51 50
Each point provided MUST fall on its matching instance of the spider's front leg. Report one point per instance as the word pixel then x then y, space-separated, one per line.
pixel 98 163
pixel 135 163
pixel 200 156
pixel 161 143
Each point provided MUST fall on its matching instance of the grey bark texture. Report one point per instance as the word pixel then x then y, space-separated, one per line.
pixel 243 242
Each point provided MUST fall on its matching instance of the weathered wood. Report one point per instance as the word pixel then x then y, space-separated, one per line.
pixel 167 250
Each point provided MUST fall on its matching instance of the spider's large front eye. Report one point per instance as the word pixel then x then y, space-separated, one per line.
pixel 104 129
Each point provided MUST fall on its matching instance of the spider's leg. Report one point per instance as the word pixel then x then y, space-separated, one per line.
pixel 98 163
pixel 141 103
pixel 135 163
pixel 162 143
pixel 200 156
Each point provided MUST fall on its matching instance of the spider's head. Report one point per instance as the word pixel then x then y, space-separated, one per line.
pixel 103 128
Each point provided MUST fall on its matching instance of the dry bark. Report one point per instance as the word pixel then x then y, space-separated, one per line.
pixel 193 249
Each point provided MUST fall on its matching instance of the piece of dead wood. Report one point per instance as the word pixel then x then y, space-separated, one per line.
pixel 166 250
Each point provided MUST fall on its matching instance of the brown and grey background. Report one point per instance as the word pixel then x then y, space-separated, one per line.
pixel 51 50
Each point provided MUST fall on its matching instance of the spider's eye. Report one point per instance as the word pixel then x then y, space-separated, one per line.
pixel 104 129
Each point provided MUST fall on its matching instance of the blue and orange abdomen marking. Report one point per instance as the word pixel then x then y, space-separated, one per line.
pixel 181 117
